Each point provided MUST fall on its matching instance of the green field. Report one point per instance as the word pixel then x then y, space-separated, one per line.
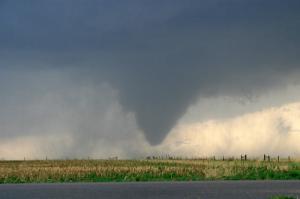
pixel 145 170
pixel 283 197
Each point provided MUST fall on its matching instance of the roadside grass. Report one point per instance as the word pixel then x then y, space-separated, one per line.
pixel 282 197
pixel 50 171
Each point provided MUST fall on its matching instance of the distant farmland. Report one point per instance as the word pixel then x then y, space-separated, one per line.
pixel 49 171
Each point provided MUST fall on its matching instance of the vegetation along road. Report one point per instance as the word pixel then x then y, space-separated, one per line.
pixel 57 171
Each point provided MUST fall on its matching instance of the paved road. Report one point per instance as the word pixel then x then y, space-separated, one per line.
pixel 173 190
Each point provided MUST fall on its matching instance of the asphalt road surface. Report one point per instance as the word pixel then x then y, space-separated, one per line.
pixel 169 190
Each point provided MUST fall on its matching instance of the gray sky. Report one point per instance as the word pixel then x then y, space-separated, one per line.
pixel 62 63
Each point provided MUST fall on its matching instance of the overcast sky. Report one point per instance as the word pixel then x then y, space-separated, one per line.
pixel 123 77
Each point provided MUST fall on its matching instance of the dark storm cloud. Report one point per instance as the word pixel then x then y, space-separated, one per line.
pixel 160 55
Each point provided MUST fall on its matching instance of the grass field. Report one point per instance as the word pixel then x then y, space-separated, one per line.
pixel 144 170
pixel 283 197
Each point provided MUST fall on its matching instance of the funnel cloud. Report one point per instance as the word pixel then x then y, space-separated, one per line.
pixel 113 70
